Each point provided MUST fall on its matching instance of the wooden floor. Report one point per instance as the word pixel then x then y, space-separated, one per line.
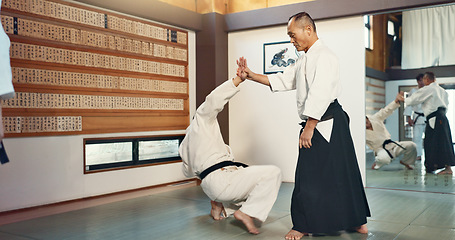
pixel 182 212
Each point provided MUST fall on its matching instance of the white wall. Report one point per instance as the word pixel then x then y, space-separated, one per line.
pixel 391 89
pixel 45 170
pixel 263 125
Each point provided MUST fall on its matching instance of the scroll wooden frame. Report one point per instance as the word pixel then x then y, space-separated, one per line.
pixel 82 70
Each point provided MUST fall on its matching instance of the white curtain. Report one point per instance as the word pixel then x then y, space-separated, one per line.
pixel 428 37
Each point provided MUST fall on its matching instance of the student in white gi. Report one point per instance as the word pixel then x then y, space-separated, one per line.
pixel 416 119
pixel 438 142
pixel 6 85
pixel 328 194
pixel 378 138
pixel 247 192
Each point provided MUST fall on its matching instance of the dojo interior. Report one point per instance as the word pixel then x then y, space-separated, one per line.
pixel 106 167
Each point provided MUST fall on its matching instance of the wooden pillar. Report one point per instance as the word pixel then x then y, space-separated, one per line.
pixel 211 62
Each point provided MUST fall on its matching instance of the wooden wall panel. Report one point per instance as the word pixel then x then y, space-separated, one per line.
pixel 79 70
pixel 374 95
pixel 377 57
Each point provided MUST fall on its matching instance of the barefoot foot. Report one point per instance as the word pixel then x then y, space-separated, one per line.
pixel 373 166
pixel 247 221
pixel 445 172
pixel 217 210
pixel 362 229
pixel 295 235
pixel 409 167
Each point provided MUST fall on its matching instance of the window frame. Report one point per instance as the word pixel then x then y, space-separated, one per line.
pixel 369 27
pixel 135 162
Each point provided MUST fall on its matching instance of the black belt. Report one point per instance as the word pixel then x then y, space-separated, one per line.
pixel 334 106
pixel 390 141
pixel 218 166
pixel 441 110
pixel 418 115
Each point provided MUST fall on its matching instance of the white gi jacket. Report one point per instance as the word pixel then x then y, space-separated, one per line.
pixel 203 145
pixel 315 75
pixel 252 190
pixel 409 110
pixel 376 137
pixel 431 97
pixel 6 85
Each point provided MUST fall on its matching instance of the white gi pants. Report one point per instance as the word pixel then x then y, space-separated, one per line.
pixel 417 137
pixel 409 153
pixel 252 190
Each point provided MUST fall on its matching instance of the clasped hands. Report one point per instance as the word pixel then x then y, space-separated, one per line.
pixel 242 69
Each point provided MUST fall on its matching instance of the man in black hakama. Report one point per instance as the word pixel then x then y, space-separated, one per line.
pixel 438 142
pixel 328 194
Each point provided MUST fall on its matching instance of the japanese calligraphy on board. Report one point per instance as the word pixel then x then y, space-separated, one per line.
pixel 81 70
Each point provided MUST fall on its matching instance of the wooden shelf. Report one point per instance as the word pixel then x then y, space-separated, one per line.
pixel 56 94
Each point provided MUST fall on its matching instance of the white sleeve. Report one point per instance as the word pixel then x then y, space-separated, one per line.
pixel 385 112
pixel 408 111
pixel 446 99
pixel 418 97
pixel 215 101
pixel 286 80
pixel 186 167
pixel 6 85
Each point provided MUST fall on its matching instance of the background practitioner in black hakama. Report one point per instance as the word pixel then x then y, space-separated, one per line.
pixel 438 142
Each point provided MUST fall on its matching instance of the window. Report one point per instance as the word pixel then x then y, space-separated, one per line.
pixel 151 150
pixel 120 153
pixel 391 28
pixel 368 20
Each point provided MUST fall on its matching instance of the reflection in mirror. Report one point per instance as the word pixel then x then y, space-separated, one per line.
pixel 389 48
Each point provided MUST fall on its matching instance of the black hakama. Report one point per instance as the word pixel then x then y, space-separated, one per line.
pixel 329 194
pixel 438 143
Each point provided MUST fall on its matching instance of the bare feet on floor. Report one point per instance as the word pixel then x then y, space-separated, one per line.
pixel 247 221
pixel 295 235
pixel 362 229
pixel 446 171
pixel 217 210
pixel 373 166
pixel 409 167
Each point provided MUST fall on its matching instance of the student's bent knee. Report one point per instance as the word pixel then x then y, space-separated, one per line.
pixel 411 147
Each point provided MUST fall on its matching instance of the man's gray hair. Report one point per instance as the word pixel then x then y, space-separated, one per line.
pixel 304 18
pixel 429 75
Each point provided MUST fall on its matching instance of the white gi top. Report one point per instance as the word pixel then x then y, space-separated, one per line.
pixel 6 85
pixel 409 110
pixel 203 145
pixel 376 137
pixel 316 77
pixel 431 97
